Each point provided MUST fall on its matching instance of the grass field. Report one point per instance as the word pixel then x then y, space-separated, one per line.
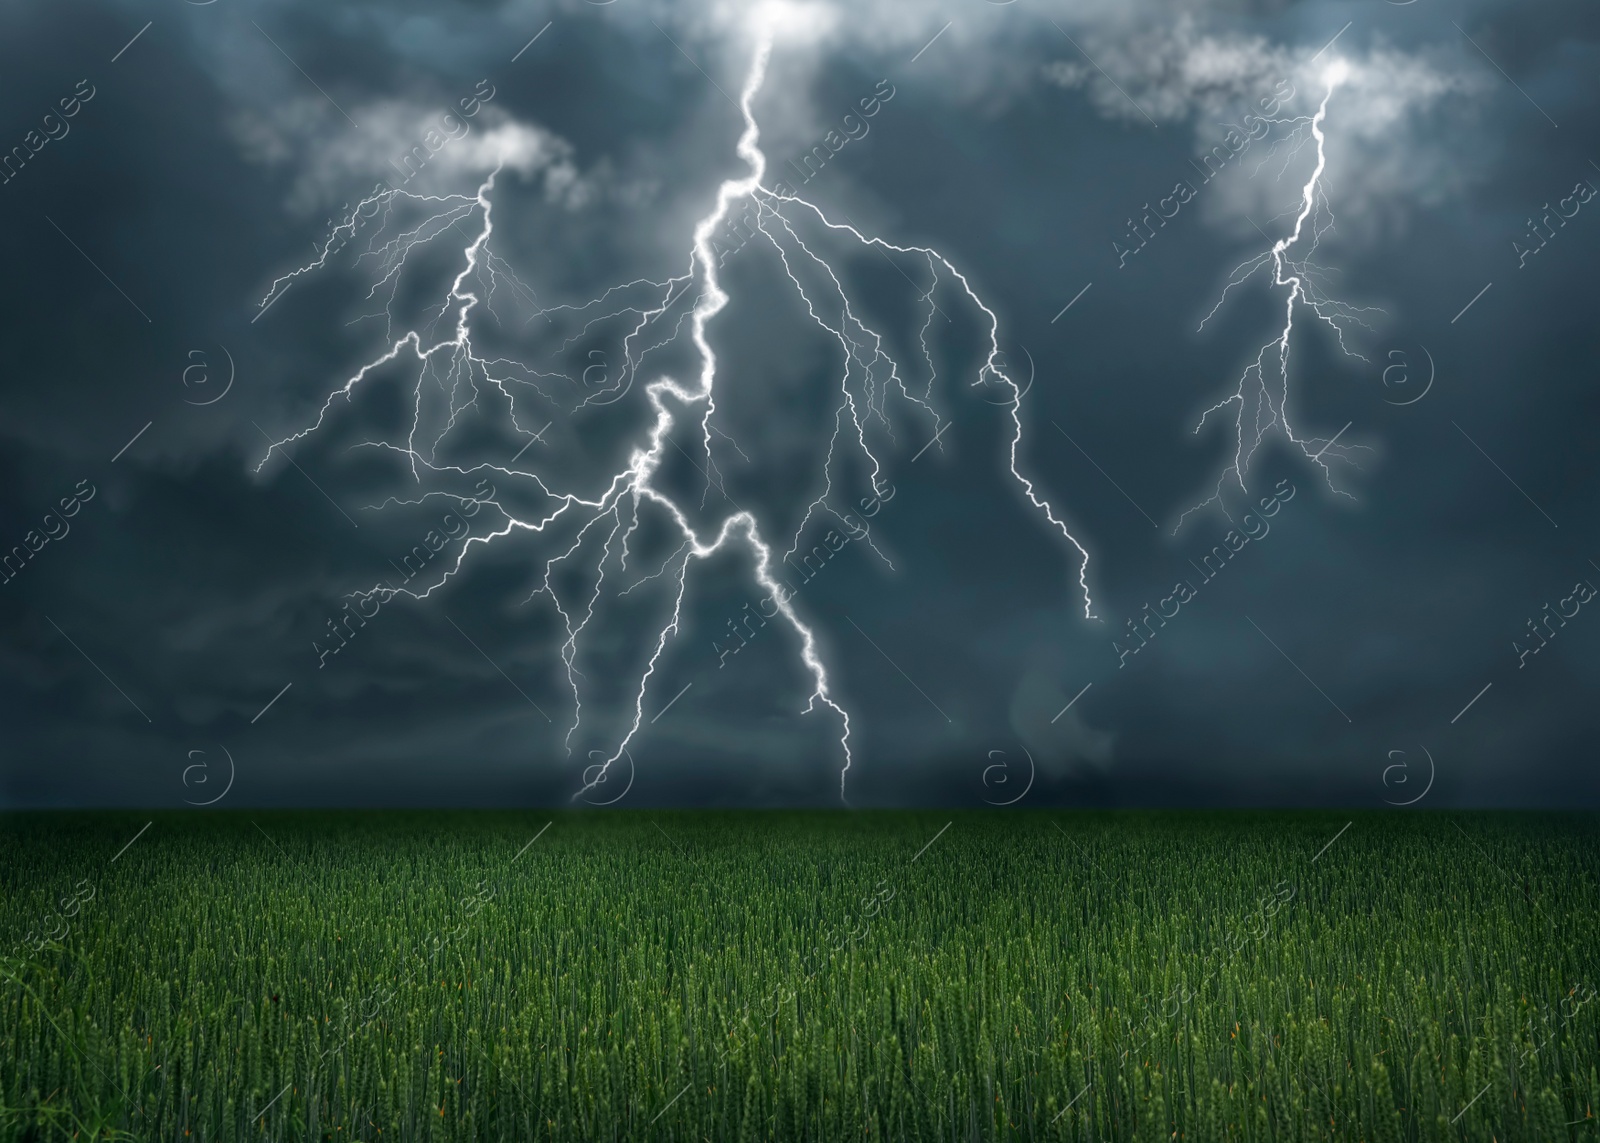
pixel 820 976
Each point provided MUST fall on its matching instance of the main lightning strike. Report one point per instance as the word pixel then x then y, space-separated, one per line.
pixel 1258 403
pixel 871 378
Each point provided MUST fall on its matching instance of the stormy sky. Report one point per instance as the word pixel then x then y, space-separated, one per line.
pixel 355 445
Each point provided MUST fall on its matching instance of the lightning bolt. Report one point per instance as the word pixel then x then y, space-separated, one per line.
pixel 1262 396
pixel 454 375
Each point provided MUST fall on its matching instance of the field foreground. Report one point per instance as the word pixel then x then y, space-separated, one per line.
pixel 817 976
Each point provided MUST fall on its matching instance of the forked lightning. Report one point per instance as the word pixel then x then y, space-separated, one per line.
pixel 454 374
pixel 1262 407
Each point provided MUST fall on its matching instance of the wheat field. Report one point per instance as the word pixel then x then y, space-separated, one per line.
pixel 799 976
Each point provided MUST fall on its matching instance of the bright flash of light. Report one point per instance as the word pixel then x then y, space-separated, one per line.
pixel 455 374
pixel 1261 400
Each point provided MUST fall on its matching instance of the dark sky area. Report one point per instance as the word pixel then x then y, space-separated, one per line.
pixel 230 226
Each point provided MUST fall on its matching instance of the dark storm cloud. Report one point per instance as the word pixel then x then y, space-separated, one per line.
pixel 190 590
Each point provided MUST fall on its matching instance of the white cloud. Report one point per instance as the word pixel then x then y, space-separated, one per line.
pixel 1385 149
pixel 404 144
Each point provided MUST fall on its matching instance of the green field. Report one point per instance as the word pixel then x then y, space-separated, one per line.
pixel 820 976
